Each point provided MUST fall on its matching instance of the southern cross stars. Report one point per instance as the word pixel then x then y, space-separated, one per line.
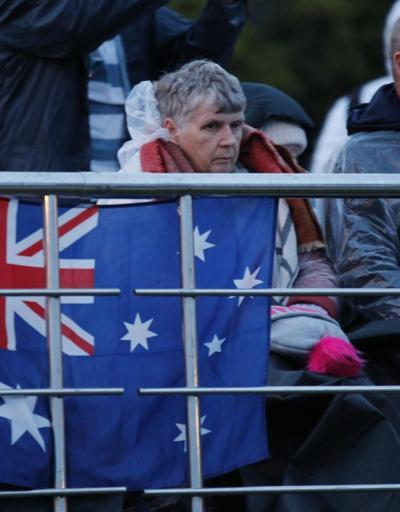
pixel 19 411
pixel 248 281
pixel 183 435
pixel 215 345
pixel 138 333
pixel 200 243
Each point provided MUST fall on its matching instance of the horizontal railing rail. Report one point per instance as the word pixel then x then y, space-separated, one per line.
pixel 278 489
pixel 124 184
pixel 58 292
pixel 268 292
pixel 273 390
pixel 61 392
pixel 63 492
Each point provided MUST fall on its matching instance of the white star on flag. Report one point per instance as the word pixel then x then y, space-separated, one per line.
pixel 183 435
pixel 200 243
pixel 215 345
pixel 138 333
pixel 248 282
pixel 19 411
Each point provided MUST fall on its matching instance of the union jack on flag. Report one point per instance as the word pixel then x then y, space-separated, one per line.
pixel 22 265
pixel 138 442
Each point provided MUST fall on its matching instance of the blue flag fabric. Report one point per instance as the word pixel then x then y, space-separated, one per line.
pixel 133 342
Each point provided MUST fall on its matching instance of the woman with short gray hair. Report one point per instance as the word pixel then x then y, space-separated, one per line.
pixel 202 107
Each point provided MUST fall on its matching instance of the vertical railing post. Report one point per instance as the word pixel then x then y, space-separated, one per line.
pixel 190 344
pixel 54 340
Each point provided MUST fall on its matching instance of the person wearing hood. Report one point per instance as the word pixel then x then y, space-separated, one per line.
pixel 363 234
pixel 279 116
pixel 363 237
pixel 333 133
pixel 295 327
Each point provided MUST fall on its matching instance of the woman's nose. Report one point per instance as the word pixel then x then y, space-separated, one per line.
pixel 227 136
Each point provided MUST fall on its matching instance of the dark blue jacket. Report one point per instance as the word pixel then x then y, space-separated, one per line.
pixel 43 76
pixel 381 113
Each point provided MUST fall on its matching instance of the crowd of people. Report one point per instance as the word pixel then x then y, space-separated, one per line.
pixel 132 86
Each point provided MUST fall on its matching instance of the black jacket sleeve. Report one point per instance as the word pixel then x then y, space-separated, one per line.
pixel 66 28
pixel 212 36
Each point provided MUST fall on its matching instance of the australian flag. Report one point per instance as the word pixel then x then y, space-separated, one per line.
pixel 132 342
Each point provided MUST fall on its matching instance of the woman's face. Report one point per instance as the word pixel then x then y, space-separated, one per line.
pixel 209 139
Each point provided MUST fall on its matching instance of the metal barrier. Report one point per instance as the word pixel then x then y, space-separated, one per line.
pixel 83 185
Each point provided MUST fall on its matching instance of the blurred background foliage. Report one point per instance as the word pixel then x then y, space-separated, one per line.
pixel 314 50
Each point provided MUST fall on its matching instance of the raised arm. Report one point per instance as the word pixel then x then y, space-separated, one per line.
pixel 65 28
pixel 212 36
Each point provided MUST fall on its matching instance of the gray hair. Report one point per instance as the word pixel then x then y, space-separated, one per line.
pixel 181 92
pixel 391 18
pixel 395 41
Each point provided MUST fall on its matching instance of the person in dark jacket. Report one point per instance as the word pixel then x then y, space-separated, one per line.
pixel 363 234
pixel 45 66
pixel 279 116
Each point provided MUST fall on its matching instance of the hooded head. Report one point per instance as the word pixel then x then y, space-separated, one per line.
pixel 278 115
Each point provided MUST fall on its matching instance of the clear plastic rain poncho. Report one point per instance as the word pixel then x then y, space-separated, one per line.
pixel 144 125
pixel 363 233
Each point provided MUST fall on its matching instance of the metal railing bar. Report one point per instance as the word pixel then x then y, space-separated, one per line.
pixel 40 493
pixel 193 431
pixel 274 185
pixel 273 390
pixel 58 292
pixel 284 489
pixel 274 292
pixel 62 392
pixel 54 340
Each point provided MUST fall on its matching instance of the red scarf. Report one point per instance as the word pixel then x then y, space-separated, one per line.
pixel 258 154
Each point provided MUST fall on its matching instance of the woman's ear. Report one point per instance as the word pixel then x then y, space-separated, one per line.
pixel 171 126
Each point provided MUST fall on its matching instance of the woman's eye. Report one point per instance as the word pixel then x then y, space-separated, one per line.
pixel 211 126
